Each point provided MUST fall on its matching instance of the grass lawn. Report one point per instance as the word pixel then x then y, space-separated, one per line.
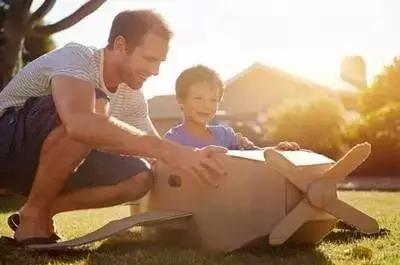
pixel 340 247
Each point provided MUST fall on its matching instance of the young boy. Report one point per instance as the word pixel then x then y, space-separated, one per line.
pixel 199 91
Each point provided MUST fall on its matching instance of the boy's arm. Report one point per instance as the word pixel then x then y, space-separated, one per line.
pixel 243 142
pixel 75 103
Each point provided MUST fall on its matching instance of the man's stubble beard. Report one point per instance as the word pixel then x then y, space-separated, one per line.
pixel 128 78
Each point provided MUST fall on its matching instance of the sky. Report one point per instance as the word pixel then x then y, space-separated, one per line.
pixel 307 38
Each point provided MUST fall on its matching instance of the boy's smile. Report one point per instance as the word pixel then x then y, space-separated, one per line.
pixel 201 103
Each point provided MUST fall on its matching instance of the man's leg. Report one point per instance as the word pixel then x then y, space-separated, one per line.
pixel 39 133
pixel 131 189
pixel 59 156
pixel 114 179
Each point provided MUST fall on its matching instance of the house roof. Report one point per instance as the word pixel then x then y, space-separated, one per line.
pixel 277 71
pixel 166 107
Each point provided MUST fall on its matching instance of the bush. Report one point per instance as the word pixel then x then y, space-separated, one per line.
pixel 317 125
pixel 384 89
pixel 381 129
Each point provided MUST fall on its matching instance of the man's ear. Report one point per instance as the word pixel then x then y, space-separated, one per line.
pixel 120 44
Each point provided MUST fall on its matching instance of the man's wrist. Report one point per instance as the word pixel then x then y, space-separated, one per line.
pixel 165 149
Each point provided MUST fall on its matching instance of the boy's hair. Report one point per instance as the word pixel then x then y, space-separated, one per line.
pixel 134 24
pixel 198 74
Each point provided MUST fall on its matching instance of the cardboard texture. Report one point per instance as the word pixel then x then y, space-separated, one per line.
pixel 289 196
pixel 116 226
pixel 292 198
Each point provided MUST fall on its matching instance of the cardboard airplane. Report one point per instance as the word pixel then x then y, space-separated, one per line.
pixel 289 196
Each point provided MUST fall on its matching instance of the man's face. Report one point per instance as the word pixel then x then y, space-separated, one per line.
pixel 144 61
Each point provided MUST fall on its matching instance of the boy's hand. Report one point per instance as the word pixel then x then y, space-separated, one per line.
pixel 288 146
pixel 197 163
pixel 243 142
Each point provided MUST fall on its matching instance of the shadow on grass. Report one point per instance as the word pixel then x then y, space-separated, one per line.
pixel 127 248
pixel 20 256
pixel 11 203
pixel 348 236
pixel 300 254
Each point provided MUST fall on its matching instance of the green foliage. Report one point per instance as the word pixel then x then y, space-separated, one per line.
pixel 381 128
pixel 4 6
pixel 34 46
pixel 317 125
pixel 37 46
pixel 379 123
pixel 385 89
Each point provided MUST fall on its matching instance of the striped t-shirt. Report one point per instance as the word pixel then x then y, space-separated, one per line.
pixel 81 62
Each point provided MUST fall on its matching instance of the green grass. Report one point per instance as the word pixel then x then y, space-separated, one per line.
pixel 340 247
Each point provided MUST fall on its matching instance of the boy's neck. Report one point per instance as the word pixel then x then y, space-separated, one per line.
pixel 196 129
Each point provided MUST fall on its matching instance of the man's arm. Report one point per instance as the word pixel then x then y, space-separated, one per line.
pixel 75 103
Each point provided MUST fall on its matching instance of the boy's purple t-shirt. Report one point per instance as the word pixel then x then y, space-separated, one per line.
pixel 223 136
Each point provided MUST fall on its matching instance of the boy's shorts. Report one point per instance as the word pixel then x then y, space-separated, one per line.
pixel 22 132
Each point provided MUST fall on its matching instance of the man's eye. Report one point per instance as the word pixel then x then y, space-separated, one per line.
pixel 150 59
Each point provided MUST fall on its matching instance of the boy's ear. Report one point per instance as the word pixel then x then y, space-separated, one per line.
pixel 179 101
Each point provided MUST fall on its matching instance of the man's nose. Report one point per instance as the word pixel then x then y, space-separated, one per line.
pixel 155 69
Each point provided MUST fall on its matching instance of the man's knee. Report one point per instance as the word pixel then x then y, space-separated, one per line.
pixel 59 147
pixel 53 139
pixel 138 186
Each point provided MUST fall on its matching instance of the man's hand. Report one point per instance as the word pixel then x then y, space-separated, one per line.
pixel 288 146
pixel 243 142
pixel 200 164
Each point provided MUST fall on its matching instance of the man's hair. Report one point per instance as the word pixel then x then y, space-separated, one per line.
pixel 134 24
pixel 198 74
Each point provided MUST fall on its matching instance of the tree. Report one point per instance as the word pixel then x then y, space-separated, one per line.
pixel 384 89
pixel 317 125
pixel 379 122
pixel 36 46
pixel 381 128
pixel 17 23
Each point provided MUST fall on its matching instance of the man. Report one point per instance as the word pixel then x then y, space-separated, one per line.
pixel 58 143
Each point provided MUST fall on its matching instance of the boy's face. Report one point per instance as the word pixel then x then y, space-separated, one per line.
pixel 201 103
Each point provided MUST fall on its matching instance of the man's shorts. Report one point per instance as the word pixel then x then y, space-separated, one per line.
pixel 22 132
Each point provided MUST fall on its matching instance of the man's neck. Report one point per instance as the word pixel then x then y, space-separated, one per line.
pixel 110 71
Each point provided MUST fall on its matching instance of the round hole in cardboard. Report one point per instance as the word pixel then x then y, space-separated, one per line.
pixel 174 181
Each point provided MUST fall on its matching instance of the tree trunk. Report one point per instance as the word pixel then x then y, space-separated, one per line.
pixel 14 31
pixel 11 58
pixel 19 23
